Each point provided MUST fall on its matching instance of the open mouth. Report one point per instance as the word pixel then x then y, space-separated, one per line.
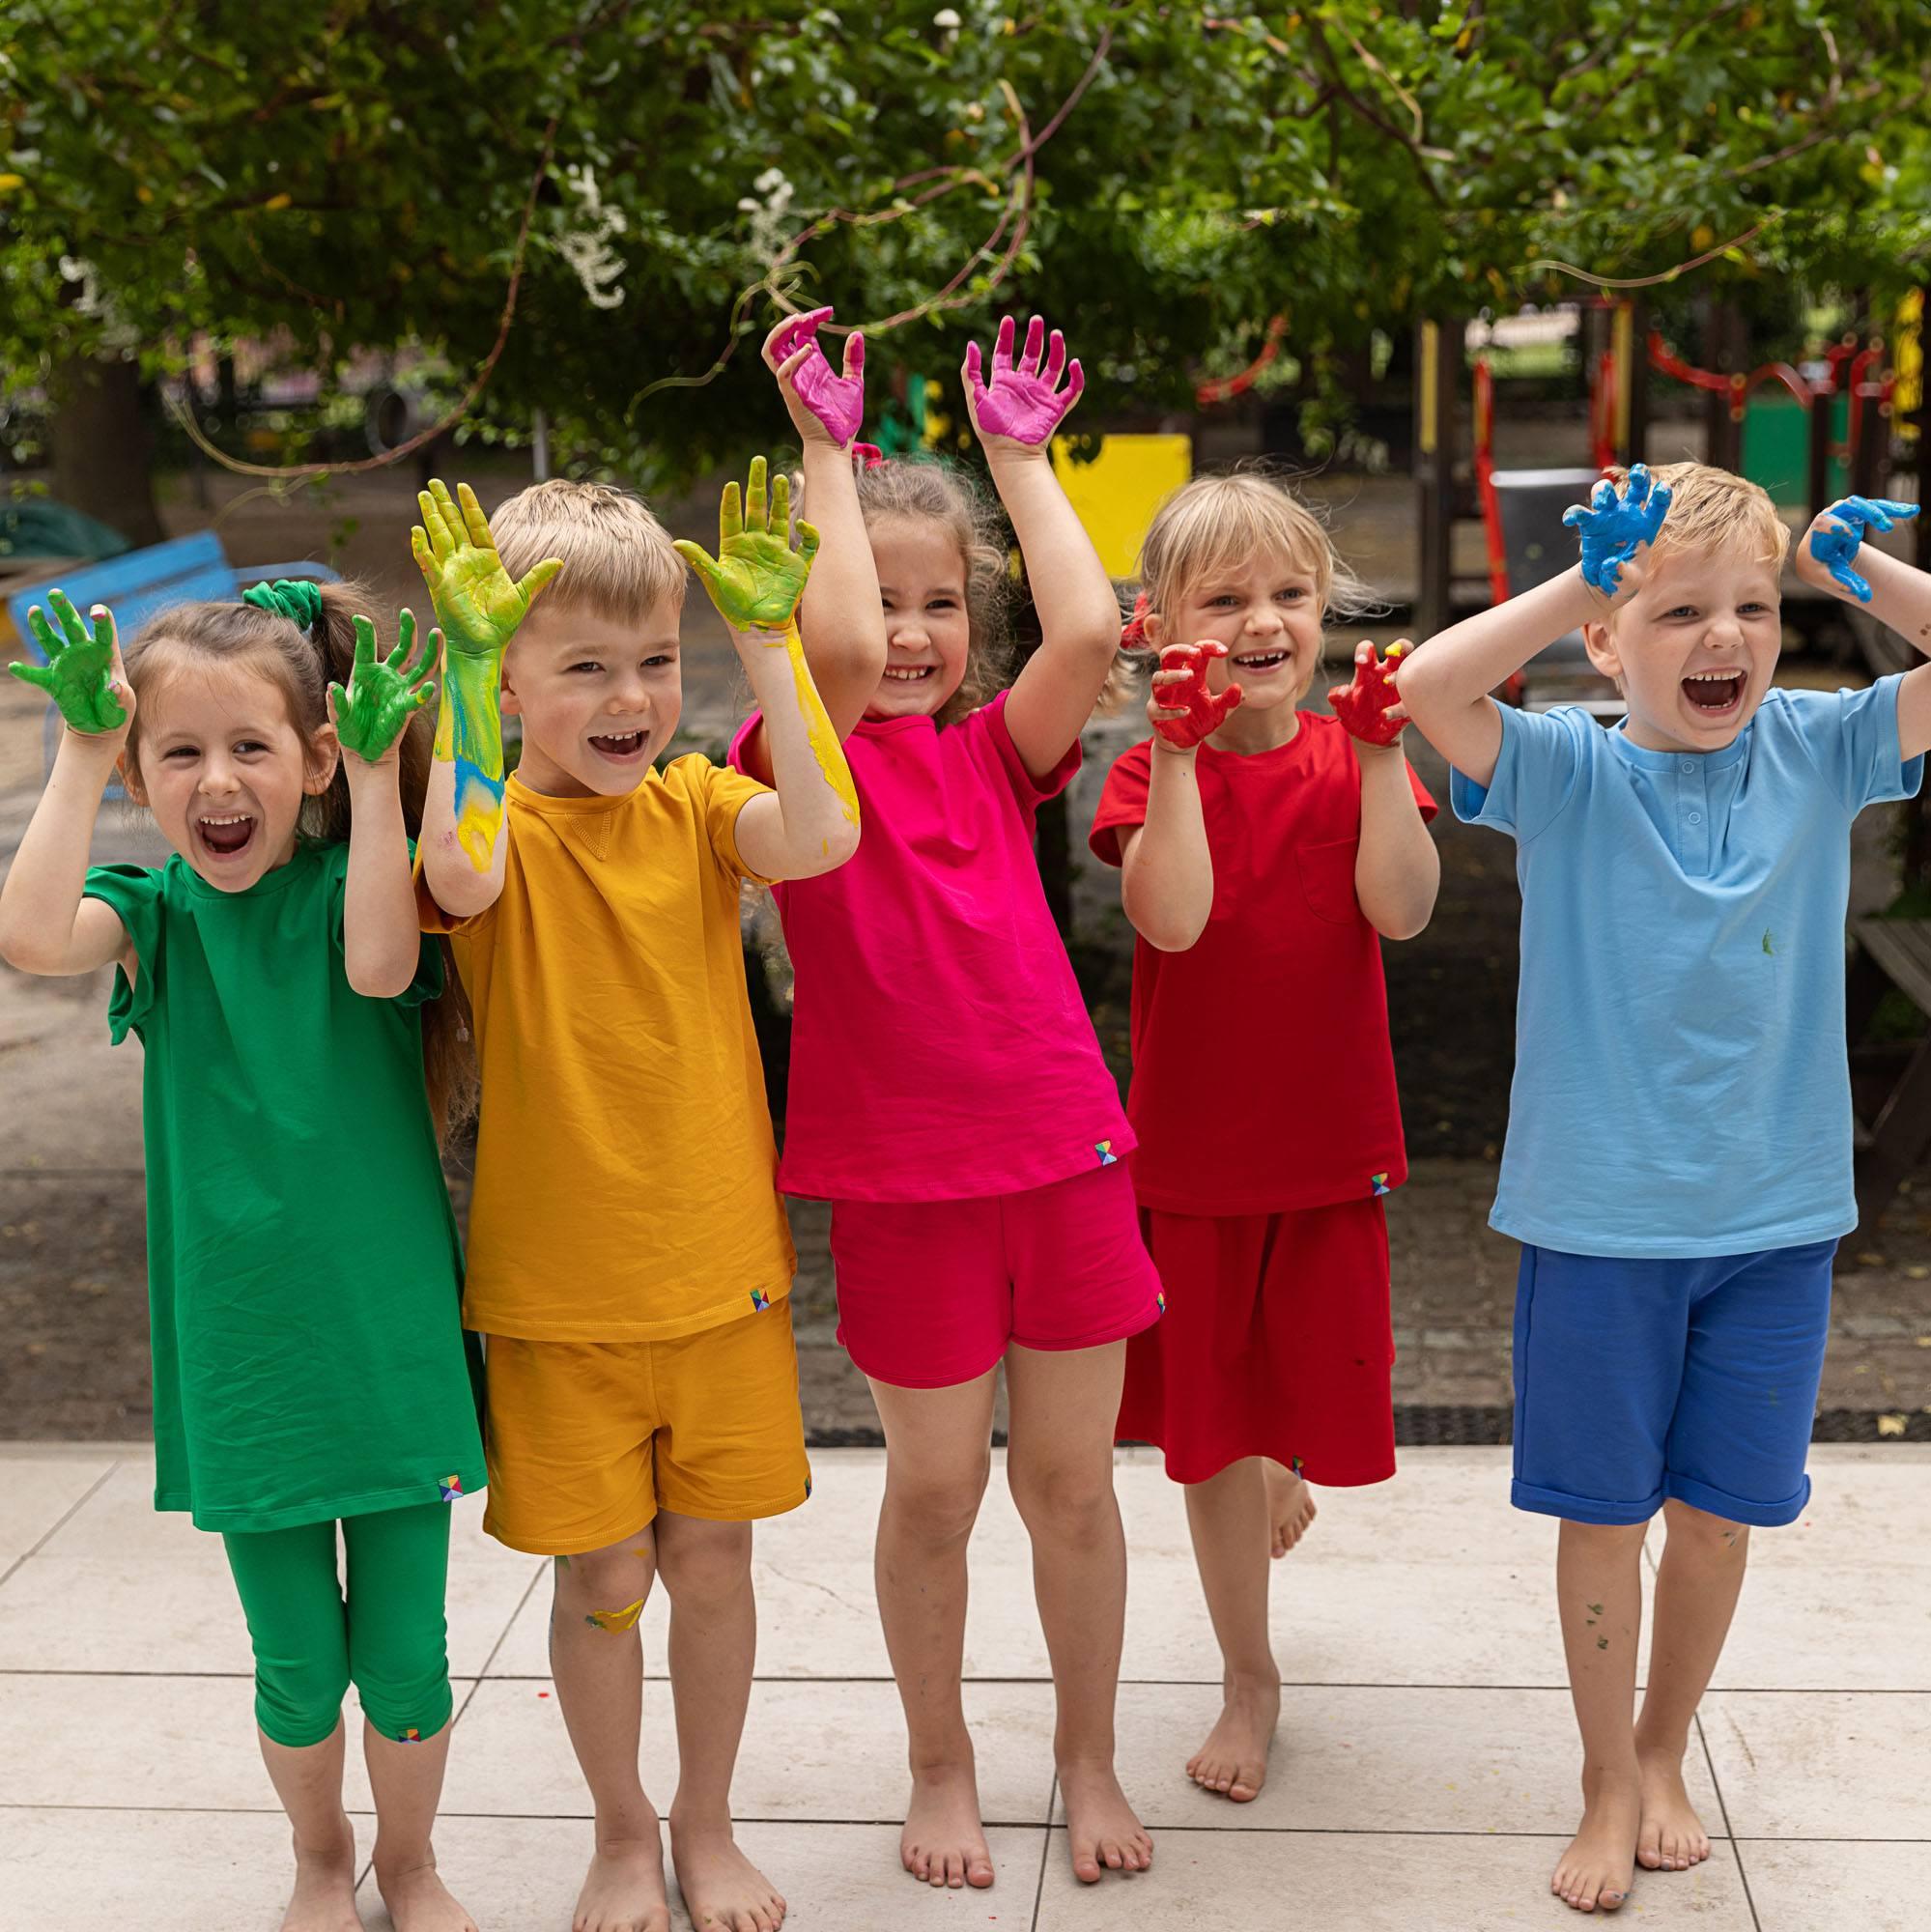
pixel 1260 661
pixel 1715 691
pixel 622 746
pixel 228 834
pixel 909 673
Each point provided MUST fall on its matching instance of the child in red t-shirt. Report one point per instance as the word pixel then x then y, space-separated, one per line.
pixel 1265 852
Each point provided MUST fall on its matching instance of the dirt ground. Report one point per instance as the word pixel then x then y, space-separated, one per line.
pixel 74 1357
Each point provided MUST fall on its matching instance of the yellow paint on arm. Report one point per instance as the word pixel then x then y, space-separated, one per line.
pixel 818 732
pixel 469 735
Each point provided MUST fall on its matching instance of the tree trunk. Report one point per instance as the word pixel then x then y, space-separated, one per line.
pixel 102 446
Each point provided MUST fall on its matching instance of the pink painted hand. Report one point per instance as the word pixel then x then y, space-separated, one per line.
pixel 1182 709
pixel 836 402
pixel 1370 709
pixel 1025 402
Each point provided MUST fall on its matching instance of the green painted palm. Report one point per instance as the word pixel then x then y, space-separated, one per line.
pixel 382 694
pixel 80 671
pixel 756 578
pixel 478 604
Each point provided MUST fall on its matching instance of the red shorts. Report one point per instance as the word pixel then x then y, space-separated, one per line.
pixel 1278 1341
pixel 931 1292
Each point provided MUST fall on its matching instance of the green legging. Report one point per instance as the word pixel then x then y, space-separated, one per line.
pixel 388 1634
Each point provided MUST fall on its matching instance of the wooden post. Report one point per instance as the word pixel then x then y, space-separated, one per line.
pixel 1438 360
pixel 1632 400
pixel 1823 406
pixel 1723 340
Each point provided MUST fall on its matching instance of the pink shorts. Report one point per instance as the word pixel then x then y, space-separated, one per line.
pixel 931 1292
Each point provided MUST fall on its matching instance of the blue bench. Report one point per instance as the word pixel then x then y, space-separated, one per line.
pixel 134 585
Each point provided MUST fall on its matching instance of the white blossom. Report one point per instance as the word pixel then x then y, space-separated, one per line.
pixel 587 244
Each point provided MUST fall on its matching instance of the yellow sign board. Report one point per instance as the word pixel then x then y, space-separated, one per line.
pixel 1908 359
pixel 1115 495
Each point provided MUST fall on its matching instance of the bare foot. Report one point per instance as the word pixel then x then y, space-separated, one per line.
pixel 1234 1759
pixel 1102 1832
pixel 944 1842
pixel 1290 1506
pixel 724 1891
pixel 323 1899
pixel 418 1901
pixel 623 1891
pixel 1597 1870
pixel 1671 1836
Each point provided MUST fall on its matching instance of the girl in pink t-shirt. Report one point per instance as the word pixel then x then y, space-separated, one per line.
pixel 948 1095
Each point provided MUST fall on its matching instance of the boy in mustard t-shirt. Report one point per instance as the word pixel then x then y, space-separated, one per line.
pixel 629 1262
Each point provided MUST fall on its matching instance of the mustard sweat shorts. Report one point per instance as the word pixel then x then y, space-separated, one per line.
pixel 587 1440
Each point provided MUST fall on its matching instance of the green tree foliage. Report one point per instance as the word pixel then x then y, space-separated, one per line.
pixel 342 175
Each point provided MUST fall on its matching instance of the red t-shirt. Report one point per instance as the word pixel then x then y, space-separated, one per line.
pixel 1262 1077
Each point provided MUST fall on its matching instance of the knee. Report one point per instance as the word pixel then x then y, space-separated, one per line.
pixel 400 1665
pixel 937 1506
pixel 1602 1542
pixel 298 1700
pixel 1070 1498
pixel 605 1589
pixel 1698 1533
pixel 706 1563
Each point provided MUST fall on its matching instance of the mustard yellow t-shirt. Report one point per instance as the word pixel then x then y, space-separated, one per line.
pixel 626 1176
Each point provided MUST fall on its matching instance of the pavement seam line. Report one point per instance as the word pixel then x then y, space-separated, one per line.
pixel 69 1516
pixel 1045 1852
pixel 1723 1805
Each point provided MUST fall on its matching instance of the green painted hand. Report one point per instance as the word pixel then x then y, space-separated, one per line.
pixel 756 578
pixel 477 605
pixel 383 695
pixel 82 673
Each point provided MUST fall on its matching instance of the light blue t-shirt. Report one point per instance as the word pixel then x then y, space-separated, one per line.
pixel 1680 1084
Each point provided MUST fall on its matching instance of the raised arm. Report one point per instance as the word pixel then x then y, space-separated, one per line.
pixel 477 609
pixel 380 940
pixel 1832 555
pixel 1165 865
pixel 1079 615
pixel 809 823
pixel 1444 685
pixel 46 924
pixel 841 618
pixel 1396 869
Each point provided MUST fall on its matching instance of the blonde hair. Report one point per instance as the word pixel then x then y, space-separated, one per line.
pixel 300 665
pixel 916 489
pixel 1712 509
pixel 617 559
pixel 1216 523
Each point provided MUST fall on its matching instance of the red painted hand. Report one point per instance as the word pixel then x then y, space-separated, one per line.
pixel 1182 709
pixel 1370 708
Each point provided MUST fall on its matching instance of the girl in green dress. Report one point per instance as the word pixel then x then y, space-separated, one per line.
pixel 311 1379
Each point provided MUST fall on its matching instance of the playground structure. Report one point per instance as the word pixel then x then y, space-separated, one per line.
pixel 1809 434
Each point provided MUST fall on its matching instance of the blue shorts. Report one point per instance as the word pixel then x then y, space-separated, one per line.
pixel 1636 1380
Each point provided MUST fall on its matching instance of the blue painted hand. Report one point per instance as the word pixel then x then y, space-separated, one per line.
pixel 1838 533
pixel 1614 526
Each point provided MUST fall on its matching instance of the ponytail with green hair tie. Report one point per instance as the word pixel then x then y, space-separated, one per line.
pixel 294 598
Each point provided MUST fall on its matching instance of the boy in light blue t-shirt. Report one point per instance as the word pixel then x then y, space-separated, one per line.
pixel 1677 1166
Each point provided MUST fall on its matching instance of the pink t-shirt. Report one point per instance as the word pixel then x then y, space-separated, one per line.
pixel 940 1047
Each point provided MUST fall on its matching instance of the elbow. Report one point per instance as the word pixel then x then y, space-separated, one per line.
pixel 830 850
pixel 1164 929
pixel 382 977
pixel 1404 926
pixel 1170 938
pixel 24 950
pixel 1407 917
pixel 1414 687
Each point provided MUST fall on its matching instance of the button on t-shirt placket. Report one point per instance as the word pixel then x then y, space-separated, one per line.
pixel 1692 819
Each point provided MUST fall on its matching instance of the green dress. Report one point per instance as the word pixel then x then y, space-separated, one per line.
pixel 303 1267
